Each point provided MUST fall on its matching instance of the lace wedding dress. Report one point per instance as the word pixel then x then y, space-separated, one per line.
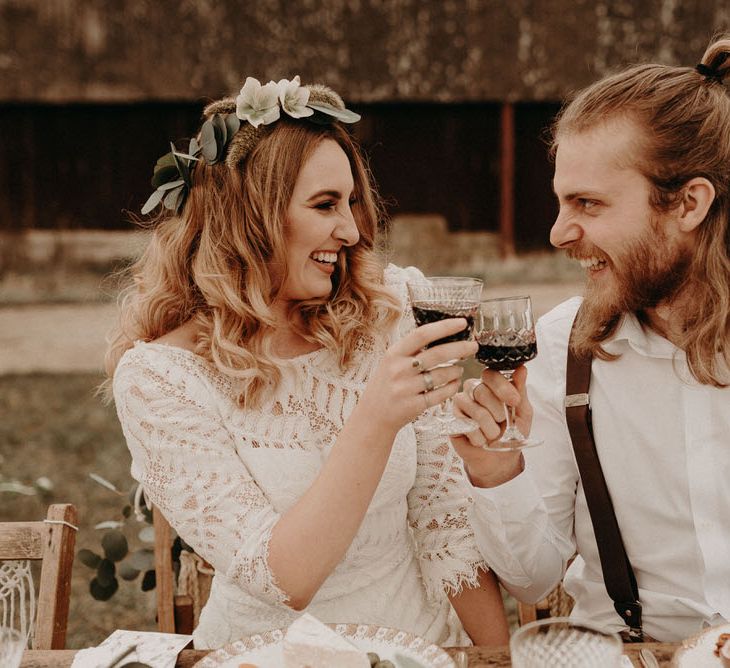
pixel 223 476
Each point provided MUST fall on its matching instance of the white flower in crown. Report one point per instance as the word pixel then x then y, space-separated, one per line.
pixel 258 104
pixel 294 97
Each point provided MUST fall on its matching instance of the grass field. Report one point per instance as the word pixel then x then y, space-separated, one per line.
pixel 54 426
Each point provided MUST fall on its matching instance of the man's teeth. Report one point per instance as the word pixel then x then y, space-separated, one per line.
pixel 329 258
pixel 592 263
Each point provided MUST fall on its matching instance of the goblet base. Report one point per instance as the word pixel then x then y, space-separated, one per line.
pixel 511 445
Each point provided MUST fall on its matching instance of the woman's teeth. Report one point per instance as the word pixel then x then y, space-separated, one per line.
pixel 592 263
pixel 327 258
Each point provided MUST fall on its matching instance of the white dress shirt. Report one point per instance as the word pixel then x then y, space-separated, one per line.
pixel 664 445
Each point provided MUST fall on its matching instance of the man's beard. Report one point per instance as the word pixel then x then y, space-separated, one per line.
pixel 651 271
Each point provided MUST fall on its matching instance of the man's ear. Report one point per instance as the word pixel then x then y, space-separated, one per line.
pixel 698 196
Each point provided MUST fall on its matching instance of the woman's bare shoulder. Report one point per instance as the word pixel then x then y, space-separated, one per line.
pixel 185 336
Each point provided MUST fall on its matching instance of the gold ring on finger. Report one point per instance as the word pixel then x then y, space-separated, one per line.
pixel 416 363
pixel 428 381
pixel 472 389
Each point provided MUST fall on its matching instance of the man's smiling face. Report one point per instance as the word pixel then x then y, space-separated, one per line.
pixel 632 253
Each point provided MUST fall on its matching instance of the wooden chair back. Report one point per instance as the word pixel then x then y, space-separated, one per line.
pixel 558 603
pixel 176 610
pixel 52 543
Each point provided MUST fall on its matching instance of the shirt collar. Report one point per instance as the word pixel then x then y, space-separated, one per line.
pixel 641 339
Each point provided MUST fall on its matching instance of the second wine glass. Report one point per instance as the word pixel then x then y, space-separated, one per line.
pixel 505 332
pixel 437 298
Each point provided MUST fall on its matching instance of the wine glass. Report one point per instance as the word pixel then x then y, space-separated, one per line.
pixel 438 298
pixel 560 642
pixel 506 337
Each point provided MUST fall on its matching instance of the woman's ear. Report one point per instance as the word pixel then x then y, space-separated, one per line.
pixel 699 194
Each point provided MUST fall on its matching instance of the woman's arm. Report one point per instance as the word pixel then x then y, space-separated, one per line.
pixel 481 611
pixel 311 538
pixel 186 457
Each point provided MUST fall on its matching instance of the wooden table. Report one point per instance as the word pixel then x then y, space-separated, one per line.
pixel 479 657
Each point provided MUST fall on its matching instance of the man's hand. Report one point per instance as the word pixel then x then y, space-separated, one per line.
pixel 484 401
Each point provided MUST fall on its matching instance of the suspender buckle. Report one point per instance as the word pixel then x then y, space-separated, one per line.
pixel 630 612
pixel 572 400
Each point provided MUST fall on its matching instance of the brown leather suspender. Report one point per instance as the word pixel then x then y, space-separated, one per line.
pixel 617 572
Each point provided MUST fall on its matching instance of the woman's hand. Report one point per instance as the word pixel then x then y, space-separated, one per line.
pixel 406 383
pixel 484 400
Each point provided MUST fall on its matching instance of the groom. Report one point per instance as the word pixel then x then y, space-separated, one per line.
pixel 642 177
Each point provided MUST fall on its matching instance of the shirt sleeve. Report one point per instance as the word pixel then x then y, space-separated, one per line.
pixel 524 528
pixel 187 462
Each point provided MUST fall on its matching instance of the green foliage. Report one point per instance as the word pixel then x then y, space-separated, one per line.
pixel 172 175
pixel 106 573
pixel 101 592
pixel 117 560
pixel 115 545
pixel 343 115
pixel 89 558
pixel 149 581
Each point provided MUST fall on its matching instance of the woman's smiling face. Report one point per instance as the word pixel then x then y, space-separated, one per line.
pixel 319 223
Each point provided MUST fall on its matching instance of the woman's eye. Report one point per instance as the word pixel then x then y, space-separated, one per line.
pixel 353 201
pixel 326 205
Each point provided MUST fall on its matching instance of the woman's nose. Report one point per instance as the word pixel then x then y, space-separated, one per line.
pixel 346 230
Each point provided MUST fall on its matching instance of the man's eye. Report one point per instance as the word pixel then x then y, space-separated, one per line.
pixel 587 203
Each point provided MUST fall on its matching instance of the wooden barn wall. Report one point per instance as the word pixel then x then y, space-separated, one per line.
pixel 90 90
pixel 88 166
pixel 370 50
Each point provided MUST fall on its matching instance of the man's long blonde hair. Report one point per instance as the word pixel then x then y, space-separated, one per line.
pixel 222 262
pixel 685 121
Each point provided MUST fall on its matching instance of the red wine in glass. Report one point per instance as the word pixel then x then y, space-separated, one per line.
pixel 437 298
pixel 506 357
pixel 425 312
pixel 506 337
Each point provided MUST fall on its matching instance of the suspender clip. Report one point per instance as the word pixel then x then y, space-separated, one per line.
pixel 577 400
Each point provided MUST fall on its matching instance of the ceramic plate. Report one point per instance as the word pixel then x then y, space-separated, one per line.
pixel 699 651
pixel 404 649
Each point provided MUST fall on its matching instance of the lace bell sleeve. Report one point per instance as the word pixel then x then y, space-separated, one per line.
pixel 187 461
pixel 437 503
pixel 438 514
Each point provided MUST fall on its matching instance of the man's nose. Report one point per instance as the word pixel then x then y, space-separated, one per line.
pixel 565 231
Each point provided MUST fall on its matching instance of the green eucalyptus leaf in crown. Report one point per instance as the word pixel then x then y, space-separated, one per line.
pixel 255 105
pixel 342 115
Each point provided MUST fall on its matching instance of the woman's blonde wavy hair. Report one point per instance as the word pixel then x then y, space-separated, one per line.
pixel 219 262
pixel 686 120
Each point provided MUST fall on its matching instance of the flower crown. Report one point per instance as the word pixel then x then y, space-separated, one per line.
pixel 232 129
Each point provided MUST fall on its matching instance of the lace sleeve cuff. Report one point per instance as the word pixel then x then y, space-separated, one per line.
pixel 438 510
pixel 450 564
pixel 250 569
